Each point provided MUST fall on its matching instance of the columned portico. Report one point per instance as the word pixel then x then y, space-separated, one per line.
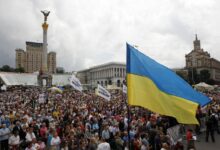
pixel 110 74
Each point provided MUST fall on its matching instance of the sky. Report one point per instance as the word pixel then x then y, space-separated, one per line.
pixel 85 33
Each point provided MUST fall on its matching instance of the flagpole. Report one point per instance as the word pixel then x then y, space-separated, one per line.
pixel 128 129
pixel 129 117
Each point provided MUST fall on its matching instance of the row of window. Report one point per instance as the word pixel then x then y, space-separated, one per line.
pixel 109 82
pixel 111 72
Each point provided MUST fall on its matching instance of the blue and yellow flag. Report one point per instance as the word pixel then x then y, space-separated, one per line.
pixel 157 88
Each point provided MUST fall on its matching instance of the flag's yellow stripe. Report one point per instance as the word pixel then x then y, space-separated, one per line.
pixel 143 92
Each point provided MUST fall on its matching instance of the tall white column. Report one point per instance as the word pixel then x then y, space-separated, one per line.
pixel 45 27
pixel 44 68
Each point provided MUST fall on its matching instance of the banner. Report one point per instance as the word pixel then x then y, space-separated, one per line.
pixel 102 92
pixel 124 89
pixel 41 98
pixel 4 88
pixel 174 133
pixel 75 83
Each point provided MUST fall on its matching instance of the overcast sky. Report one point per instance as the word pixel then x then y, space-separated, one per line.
pixel 85 33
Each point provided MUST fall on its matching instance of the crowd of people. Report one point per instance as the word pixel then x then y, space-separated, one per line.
pixel 72 120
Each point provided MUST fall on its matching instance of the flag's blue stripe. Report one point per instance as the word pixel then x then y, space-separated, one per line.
pixel 164 78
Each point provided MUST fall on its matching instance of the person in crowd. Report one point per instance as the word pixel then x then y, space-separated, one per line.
pixel 104 145
pixel 30 136
pixel 75 120
pixel 14 141
pixel 19 129
pixel 210 128
pixel 144 142
pixel 106 133
pixel 4 136
pixel 190 139
pixel 43 132
pixel 165 146
pixel 55 142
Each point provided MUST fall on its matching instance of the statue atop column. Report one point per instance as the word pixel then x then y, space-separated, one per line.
pixel 46 14
pixel 44 74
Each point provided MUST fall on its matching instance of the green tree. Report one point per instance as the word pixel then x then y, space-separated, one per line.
pixel 21 70
pixel 60 70
pixel 6 68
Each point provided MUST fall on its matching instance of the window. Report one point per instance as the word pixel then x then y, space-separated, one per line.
pixel 118 83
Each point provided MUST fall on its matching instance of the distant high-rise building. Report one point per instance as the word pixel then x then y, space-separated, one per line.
pixel 31 59
pixel 51 62
pixel 20 58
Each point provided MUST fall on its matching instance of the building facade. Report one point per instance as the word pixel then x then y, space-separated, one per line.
pixel 20 58
pixel 51 62
pixel 110 75
pixel 201 60
pixel 31 59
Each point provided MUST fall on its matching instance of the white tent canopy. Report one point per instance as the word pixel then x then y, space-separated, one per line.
pixel 31 79
pixel 203 86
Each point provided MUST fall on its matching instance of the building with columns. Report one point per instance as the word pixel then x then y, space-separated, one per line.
pixel 108 75
pixel 31 59
pixel 201 60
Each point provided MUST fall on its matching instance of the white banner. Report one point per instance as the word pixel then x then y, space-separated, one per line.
pixel 75 83
pixel 174 133
pixel 101 91
pixel 41 98
pixel 4 88
pixel 124 89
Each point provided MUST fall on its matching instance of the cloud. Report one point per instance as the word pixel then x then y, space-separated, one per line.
pixel 85 33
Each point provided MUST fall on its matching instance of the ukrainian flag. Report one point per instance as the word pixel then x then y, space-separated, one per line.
pixel 157 88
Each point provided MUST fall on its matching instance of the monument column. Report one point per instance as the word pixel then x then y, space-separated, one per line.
pixel 45 27
pixel 44 74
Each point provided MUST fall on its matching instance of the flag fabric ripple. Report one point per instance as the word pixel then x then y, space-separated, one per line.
pixel 159 89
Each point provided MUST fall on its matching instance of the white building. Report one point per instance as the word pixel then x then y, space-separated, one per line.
pixel 110 75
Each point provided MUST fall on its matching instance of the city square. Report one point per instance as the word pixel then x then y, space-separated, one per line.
pixel 109 75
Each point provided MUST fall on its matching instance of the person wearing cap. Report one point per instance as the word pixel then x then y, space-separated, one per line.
pixel 4 136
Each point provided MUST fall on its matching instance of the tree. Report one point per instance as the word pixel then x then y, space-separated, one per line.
pixel 6 68
pixel 204 75
pixel 21 70
pixel 60 70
